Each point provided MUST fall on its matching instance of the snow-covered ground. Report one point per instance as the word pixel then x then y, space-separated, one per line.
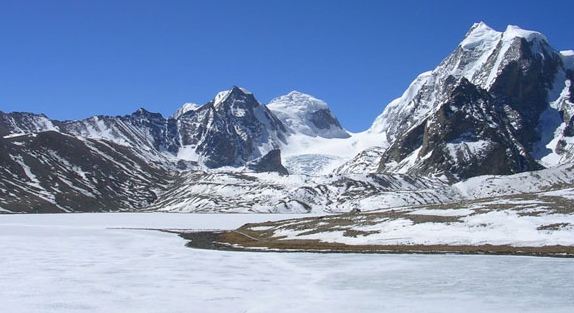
pixel 74 263
pixel 525 220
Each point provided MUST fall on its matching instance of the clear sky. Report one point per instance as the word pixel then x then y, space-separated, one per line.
pixel 73 59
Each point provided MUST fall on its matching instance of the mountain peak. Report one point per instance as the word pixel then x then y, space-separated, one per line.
pixel 295 93
pixel 305 114
pixel 301 101
pixel 142 112
pixel 186 107
pixel 479 27
pixel 478 34
pixel 240 90
pixel 513 31
pixel 235 90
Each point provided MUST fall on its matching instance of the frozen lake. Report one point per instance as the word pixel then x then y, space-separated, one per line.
pixel 74 263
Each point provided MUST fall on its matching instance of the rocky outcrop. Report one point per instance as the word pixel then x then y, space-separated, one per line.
pixel 469 135
pixel 271 162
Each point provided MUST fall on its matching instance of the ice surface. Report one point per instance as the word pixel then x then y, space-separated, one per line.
pixel 72 263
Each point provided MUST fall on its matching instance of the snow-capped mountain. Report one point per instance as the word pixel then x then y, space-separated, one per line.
pixel 24 123
pixel 497 104
pixel 502 103
pixel 316 142
pixel 231 130
pixel 149 134
pixel 307 115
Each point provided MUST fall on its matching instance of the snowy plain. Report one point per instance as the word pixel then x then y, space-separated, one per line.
pixel 83 263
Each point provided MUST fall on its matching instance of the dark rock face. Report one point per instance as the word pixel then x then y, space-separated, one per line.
pixel 53 172
pixel 404 146
pixel 523 85
pixel 323 119
pixel 271 162
pixel 141 129
pixel 230 130
pixel 469 135
pixel 164 131
pixel 567 109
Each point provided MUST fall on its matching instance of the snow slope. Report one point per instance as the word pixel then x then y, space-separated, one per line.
pixel 270 193
pixel 526 220
pixel 317 143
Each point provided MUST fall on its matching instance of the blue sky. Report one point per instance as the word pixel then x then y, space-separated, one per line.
pixel 73 59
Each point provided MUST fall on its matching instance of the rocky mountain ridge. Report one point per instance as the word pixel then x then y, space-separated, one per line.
pixel 500 104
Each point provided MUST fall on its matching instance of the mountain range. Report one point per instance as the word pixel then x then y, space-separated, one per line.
pixel 498 109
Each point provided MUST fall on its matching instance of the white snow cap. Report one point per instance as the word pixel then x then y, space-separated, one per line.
pixel 186 107
pixel 513 31
pixel 478 33
pixel 297 101
pixel 296 109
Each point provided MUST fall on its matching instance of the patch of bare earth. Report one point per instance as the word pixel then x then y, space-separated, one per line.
pixel 238 241
pixel 269 236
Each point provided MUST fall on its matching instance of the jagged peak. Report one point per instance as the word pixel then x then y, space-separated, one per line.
pixel 143 112
pixel 223 95
pixel 479 27
pixel 241 89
